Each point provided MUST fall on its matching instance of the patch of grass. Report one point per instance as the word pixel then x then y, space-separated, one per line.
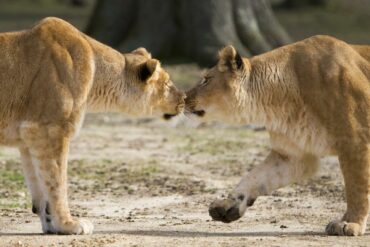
pixel 137 177
pixel 148 170
pixel 15 204
pixel 11 177
pixel 218 142
pixel 10 205
pixel 107 169
pixel 13 191
pixel 219 146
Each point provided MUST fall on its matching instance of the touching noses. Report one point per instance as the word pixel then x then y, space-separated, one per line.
pixel 183 97
pixel 181 104
pixel 189 99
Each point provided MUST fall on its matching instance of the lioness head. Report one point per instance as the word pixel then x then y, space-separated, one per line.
pixel 149 88
pixel 219 94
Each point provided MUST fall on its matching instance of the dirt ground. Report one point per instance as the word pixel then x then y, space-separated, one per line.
pixel 148 183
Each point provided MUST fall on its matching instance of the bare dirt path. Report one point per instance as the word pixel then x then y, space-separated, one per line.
pixel 143 183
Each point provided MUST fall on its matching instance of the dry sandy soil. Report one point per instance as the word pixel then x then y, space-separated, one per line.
pixel 146 183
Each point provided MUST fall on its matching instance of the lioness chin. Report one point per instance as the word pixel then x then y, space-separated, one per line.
pixel 50 76
pixel 313 97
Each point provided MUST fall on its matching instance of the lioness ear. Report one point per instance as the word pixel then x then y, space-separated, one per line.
pixel 143 52
pixel 229 59
pixel 149 70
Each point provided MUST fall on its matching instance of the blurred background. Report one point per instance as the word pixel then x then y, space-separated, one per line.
pixel 186 34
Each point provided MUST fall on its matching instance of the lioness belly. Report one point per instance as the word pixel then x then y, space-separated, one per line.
pixel 9 135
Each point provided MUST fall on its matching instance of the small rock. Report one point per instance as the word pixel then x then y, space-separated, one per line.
pixel 21 194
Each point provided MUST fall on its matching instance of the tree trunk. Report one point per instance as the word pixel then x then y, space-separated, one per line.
pixel 111 20
pixel 272 30
pixel 302 3
pixel 153 28
pixel 187 29
pixel 248 28
pixel 206 26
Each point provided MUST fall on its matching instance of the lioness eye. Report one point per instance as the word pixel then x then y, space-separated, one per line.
pixel 204 81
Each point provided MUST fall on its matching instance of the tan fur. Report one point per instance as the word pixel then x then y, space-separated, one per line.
pixel 50 76
pixel 314 98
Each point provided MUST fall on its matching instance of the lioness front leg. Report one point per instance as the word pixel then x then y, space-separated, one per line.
pixel 32 181
pixel 48 147
pixel 355 166
pixel 276 171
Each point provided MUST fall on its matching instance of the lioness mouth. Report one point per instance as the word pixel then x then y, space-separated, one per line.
pixel 168 116
pixel 199 113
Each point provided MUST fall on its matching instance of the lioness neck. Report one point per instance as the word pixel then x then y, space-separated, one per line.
pixel 271 96
pixel 108 80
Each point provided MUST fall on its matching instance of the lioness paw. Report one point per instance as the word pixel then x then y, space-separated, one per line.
pixel 85 227
pixel 75 227
pixel 226 210
pixel 343 228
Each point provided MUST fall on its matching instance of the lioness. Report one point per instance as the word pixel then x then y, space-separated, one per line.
pixel 313 97
pixel 50 76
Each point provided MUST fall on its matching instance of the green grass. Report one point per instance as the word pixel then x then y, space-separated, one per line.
pixel 10 205
pixel 11 177
pixel 214 142
pixel 13 191
pixel 137 177
pixel 213 146
pixel 104 170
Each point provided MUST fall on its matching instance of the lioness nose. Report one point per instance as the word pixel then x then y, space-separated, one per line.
pixel 181 97
pixel 188 98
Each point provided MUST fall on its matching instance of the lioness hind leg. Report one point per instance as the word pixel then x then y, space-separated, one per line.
pixel 33 184
pixel 48 147
pixel 355 167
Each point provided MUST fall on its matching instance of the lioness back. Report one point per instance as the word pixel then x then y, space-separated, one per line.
pixel 54 58
pixel 333 77
pixel 363 50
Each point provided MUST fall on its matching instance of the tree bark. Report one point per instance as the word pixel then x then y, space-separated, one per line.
pixel 248 28
pixel 208 29
pixel 187 29
pixel 303 3
pixel 270 27
pixel 111 20
pixel 153 28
